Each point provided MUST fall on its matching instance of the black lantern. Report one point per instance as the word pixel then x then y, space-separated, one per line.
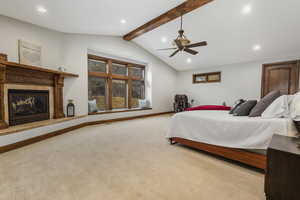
pixel 70 108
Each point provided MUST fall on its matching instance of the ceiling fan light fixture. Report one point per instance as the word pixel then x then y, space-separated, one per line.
pixel 181 43
pixel 184 41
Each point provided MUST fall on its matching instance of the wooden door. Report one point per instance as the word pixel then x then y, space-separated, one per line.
pixel 282 76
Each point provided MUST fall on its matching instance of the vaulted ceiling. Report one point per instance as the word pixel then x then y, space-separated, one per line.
pixel 88 16
pixel 231 33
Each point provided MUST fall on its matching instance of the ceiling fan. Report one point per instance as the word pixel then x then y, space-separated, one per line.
pixel 183 44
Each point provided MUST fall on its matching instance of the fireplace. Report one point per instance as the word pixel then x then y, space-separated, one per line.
pixel 16 76
pixel 25 106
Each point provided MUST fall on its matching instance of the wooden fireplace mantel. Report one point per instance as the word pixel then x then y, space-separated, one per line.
pixel 15 73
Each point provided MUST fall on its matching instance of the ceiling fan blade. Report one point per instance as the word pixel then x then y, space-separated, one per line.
pixel 199 44
pixel 173 54
pixel 167 49
pixel 190 51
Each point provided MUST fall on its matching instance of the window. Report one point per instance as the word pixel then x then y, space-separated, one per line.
pixel 137 72
pixel 115 84
pixel 119 69
pixel 119 94
pixel 97 91
pixel 138 89
pixel 207 77
pixel 96 66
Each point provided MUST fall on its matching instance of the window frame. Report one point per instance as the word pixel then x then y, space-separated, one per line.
pixel 109 76
pixel 206 76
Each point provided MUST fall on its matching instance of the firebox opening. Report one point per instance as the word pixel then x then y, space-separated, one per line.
pixel 25 106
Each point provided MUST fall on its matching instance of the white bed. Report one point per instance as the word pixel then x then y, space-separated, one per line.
pixel 222 129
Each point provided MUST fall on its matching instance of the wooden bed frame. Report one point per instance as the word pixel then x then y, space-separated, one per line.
pixel 249 158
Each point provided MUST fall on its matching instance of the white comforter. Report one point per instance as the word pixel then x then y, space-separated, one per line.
pixel 222 129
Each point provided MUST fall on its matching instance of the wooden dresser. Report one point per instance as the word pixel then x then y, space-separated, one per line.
pixel 282 181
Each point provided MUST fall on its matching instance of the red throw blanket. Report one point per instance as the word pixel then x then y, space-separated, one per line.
pixel 209 107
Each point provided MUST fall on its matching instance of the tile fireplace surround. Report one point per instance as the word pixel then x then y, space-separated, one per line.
pixel 25 77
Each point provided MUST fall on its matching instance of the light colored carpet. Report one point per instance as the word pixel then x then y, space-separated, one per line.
pixel 122 161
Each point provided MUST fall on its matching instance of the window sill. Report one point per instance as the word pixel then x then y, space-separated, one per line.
pixel 119 111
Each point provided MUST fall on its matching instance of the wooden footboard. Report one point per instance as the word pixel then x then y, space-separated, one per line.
pixel 249 158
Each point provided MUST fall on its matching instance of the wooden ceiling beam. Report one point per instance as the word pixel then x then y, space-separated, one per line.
pixel 186 7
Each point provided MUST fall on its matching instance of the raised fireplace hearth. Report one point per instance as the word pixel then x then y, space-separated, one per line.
pixel 29 93
pixel 26 106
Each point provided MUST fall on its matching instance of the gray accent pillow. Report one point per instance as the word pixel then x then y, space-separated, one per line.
pixel 245 108
pixel 237 105
pixel 262 105
pixel 93 106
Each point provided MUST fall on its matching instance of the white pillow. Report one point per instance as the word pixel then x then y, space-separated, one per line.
pixel 93 106
pixel 278 109
pixel 295 107
pixel 143 103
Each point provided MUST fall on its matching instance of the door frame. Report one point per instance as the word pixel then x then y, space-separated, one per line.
pixel 264 66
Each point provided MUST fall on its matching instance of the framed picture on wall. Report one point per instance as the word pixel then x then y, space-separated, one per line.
pixel 29 54
pixel 207 77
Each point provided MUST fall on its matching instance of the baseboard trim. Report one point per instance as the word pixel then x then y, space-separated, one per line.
pixel 33 140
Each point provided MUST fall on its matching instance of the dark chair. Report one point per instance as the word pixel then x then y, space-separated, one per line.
pixel 181 103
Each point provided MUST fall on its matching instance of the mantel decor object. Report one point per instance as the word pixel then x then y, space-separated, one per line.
pixel 70 108
pixel 62 69
pixel 30 54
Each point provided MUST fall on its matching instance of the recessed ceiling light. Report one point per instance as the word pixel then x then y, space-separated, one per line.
pixel 41 9
pixel 164 39
pixel 256 47
pixel 123 21
pixel 247 9
pixel 189 60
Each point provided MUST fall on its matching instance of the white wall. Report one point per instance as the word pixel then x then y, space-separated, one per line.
pixel 238 81
pixel 13 30
pixel 70 51
pixel 75 59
